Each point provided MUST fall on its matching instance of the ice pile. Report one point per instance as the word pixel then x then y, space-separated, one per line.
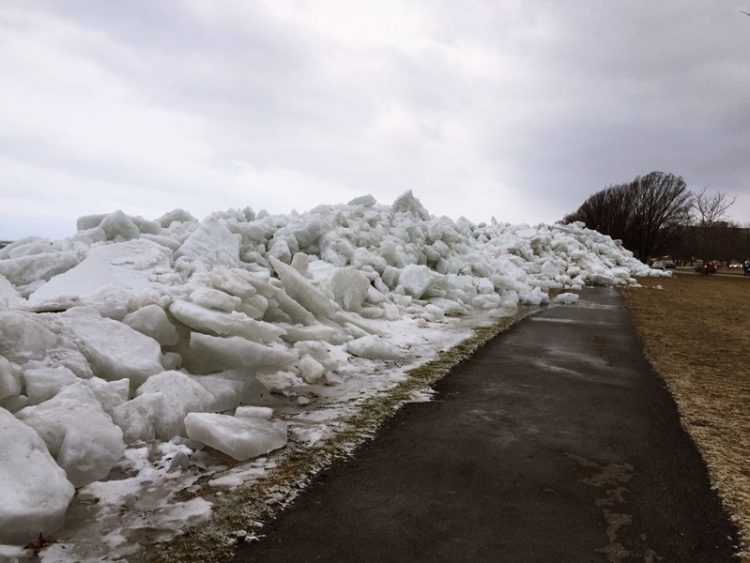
pixel 132 331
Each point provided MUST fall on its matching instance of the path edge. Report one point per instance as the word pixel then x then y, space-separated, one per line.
pixel 244 510
pixel 742 550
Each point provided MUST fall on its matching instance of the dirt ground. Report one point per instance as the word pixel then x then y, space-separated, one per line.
pixel 696 333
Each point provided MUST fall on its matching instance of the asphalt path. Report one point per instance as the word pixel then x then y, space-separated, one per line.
pixel 556 442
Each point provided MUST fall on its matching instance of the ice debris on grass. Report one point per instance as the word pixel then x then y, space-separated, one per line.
pixel 135 332
pixel 240 437
pixel 373 348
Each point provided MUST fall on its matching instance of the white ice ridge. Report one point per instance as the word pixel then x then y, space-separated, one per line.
pixel 135 333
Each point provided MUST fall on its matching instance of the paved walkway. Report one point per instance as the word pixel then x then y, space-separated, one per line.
pixel 556 442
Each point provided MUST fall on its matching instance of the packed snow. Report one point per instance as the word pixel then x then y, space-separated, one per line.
pixel 140 347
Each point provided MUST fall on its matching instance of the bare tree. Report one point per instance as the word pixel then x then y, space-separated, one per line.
pixel 712 233
pixel 607 211
pixel 662 206
pixel 645 214
pixel 710 209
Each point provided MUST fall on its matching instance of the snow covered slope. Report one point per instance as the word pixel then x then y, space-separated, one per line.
pixel 135 333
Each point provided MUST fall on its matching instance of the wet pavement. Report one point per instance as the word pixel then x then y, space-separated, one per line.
pixel 556 442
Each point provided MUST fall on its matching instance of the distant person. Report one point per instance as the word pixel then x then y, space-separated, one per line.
pixel 746 267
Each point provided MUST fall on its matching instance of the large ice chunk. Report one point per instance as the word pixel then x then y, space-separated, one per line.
pixel 9 297
pixel 27 247
pixel 210 245
pixel 152 321
pixel 301 263
pixel 315 332
pixel 248 411
pixel 181 394
pixel 365 201
pixel 34 490
pixel 65 357
pixel 23 337
pixel 215 299
pixel 281 381
pixel 110 394
pixel 416 280
pixel 126 266
pixel 303 291
pixel 27 269
pixel 139 417
pixel 280 251
pixel 349 287
pixel 374 348
pixel 235 352
pixel 117 226
pixel 44 383
pixel 224 324
pixel 176 215
pixel 278 300
pixel 114 350
pixel 407 203
pixel 565 298
pixel 226 391
pixel 310 369
pixel 10 386
pixel 240 438
pixel 165 241
pixel 78 433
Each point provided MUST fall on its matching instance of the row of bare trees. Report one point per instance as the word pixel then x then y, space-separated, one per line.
pixel 710 234
pixel 656 215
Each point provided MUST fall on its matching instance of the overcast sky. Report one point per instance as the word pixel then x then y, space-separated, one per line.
pixel 513 109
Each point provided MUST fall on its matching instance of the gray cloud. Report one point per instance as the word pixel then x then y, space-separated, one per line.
pixel 515 109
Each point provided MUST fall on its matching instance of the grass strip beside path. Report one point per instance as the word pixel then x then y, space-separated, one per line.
pixel 696 333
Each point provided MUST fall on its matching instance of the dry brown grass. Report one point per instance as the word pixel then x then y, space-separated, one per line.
pixel 696 333
pixel 724 270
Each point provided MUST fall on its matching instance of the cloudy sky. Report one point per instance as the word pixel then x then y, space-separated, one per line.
pixel 517 109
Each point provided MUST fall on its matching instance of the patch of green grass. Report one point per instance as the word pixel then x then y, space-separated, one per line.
pixel 245 508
